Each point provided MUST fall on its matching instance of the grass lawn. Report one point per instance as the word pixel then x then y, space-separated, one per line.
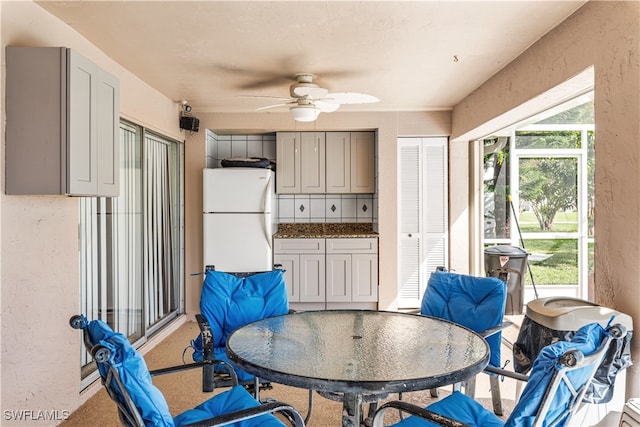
pixel 559 269
pixel 562 267
pixel 564 222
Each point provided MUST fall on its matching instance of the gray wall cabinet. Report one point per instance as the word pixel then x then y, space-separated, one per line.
pixel 62 124
pixel 325 162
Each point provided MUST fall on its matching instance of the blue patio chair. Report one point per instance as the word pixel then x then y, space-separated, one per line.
pixel 554 392
pixel 227 302
pixel 476 303
pixel 140 404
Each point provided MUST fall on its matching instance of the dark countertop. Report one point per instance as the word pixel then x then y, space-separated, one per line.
pixel 324 230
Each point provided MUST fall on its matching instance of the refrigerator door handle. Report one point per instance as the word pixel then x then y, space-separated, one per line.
pixel 267 230
pixel 266 194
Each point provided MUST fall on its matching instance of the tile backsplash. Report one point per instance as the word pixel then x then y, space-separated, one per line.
pixel 326 208
pixel 299 208
pixel 219 147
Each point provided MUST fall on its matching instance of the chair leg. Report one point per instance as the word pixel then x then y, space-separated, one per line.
pixel 470 387
pixel 208 382
pixel 208 378
pixel 496 398
pixel 519 387
pixel 306 419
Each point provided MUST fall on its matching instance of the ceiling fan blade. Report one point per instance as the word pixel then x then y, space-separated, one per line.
pixel 275 106
pixel 350 98
pixel 326 107
pixel 280 98
pixel 266 82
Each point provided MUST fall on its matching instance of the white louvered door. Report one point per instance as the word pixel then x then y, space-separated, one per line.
pixel 422 215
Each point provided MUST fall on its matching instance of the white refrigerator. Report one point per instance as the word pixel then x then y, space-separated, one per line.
pixel 238 219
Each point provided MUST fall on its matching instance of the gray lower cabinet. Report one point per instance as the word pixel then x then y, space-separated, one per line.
pixel 352 270
pixel 329 273
pixel 63 114
pixel 304 262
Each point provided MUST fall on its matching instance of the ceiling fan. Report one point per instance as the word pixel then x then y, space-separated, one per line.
pixel 307 99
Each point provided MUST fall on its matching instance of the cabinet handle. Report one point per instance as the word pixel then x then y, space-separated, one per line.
pixel 409 235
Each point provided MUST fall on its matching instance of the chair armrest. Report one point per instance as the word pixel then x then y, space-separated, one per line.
pixel 290 413
pixel 488 332
pixel 504 372
pixel 186 367
pixel 401 406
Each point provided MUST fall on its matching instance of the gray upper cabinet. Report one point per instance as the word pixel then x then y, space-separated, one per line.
pixel 301 162
pixel 350 162
pixel 62 124
pixel 325 162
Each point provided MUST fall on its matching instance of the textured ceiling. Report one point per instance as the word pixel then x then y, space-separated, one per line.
pixel 418 55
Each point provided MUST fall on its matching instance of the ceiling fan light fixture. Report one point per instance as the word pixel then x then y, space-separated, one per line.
pixel 304 113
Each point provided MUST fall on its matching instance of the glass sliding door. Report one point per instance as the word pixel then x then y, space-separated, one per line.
pixel 162 209
pixel 131 246
pixel 125 230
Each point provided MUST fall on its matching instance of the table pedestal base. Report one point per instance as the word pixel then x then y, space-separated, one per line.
pixel 351 410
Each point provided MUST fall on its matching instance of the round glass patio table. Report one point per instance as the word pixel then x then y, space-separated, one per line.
pixel 358 353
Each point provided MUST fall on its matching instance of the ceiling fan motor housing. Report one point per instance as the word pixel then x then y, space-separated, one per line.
pixel 312 90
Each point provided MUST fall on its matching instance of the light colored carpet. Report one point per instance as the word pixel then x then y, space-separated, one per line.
pixel 183 391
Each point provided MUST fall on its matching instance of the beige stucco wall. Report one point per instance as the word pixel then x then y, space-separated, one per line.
pixel 605 36
pixel 39 269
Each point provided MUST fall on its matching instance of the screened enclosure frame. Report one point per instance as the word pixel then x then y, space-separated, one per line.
pixel 582 235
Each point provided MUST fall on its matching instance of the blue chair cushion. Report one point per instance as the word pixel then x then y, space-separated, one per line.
pixel 460 408
pixel 134 374
pixel 474 302
pixel 587 340
pixel 231 400
pixel 229 302
pixel 466 410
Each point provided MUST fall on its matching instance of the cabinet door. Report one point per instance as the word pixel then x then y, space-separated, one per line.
pixel 364 277
pixel 108 112
pixel 312 278
pixel 290 264
pixel 338 162
pixel 338 278
pixel 288 157
pixel 363 162
pixel 82 149
pixel 312 162
pixel 93 144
